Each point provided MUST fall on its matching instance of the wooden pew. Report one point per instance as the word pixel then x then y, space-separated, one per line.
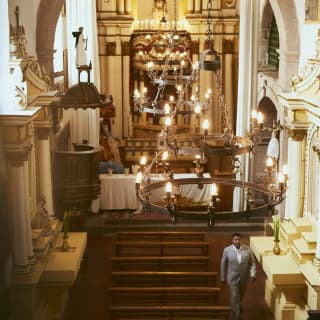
pixel 164 278
pixel 164 295
pixel 159 248
pixel 170 263
pixel 170 312
pixel 164 236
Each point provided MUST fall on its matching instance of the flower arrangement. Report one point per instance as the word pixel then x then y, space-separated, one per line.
pixel 276 227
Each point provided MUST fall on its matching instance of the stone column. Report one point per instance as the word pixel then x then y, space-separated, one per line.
pixel 296 168
pixel 125 48
pixel 247 80
pixel 44 175
pixel 21 228
pixel 316 259
pixel 27 192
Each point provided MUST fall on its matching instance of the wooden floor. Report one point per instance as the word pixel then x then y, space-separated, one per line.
pixel 89 297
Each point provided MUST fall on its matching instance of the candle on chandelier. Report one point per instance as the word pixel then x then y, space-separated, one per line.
pixel 171 99
pixel 166 109
pixel 168 189
pixel 254 114
pixel 205 126
pixel 165 155
pixel 269 163
pixel 197 108
pixel 260 119
pixel 139 178
pixel 143 160
pixel 213 190
pixel 282 181
pixel 167 122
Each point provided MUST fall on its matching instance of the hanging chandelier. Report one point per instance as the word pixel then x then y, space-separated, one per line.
pixel 167 58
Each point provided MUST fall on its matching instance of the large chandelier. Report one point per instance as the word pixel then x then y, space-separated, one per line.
pixel 166 57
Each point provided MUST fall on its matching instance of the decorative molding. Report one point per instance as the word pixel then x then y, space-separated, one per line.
pixel 111 48
pixel 229 4
pixel 297 134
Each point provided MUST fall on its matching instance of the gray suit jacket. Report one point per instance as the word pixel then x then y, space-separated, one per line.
pixel 234 272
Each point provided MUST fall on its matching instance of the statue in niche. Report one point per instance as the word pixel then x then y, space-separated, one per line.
pixel 273 146
pixel 81 47
pixel 42 218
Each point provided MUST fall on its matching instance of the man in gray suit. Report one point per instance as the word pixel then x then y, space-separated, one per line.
pixel 237 266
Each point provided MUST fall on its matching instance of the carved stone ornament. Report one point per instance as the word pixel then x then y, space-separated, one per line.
pixel 111 48
pixel 297 134
pixel 229 4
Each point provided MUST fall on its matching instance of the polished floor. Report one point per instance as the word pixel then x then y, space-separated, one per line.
pixel 89 297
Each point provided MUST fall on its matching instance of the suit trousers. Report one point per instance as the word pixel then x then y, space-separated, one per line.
pixel 236 294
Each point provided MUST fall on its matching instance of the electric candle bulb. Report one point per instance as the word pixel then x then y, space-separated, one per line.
pixel 281 178
pixel 213 189
pixel 139 177
pixel 168 187
pixel 143 160
pixel 269 162
pixel 193 98
pixel 197 108
pixel 198 157
pixel 168 121
pixel 166 108
pixel 254 114
pixel 165 155
pixel 260 118
pixel 171 98
pixel 205 124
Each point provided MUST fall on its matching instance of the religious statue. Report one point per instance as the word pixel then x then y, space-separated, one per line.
pixel 42 219
pixel 81 47
pixel 273 146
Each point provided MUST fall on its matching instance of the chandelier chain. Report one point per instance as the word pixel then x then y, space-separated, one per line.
pixel 222 104
pixel 209 21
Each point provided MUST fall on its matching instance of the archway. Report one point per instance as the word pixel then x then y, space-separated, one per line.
pixel 47 17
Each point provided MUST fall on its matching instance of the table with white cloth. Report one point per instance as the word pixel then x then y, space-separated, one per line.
pixel 118 191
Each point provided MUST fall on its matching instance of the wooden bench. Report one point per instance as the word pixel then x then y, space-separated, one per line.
pixel 170 312
pixel 171 263
pixel 159 248
pixel 164 278
pixel 164 295
pixel 169 236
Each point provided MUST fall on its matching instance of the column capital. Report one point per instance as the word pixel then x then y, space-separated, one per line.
pixel 297 134
pixel 43 132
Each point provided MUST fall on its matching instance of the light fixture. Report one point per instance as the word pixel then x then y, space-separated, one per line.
pixel 174 68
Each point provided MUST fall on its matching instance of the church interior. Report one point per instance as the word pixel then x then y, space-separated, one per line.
pixel 137 136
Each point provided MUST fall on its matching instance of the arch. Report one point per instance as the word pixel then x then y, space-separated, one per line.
pixel 267 107
pixel 286 16
pixel 47 17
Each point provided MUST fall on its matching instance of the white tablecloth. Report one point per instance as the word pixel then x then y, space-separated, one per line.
pixel 118 191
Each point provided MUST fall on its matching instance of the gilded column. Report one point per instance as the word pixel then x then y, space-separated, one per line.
pixel 228 76
pixel 125 48
pixel 44 160
pixel 120 6
pixel 197 6
pixel 128 7
pixel 190 6
pixel 296 168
